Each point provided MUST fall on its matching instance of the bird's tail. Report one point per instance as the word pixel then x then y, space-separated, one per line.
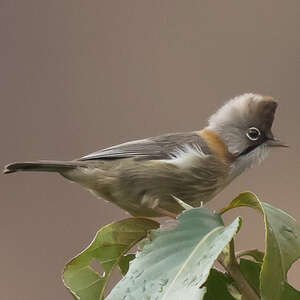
pixel 40 166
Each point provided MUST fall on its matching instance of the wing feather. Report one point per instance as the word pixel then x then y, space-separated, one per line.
pixel 161 147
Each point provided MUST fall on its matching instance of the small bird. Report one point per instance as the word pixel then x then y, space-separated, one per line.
pixel 145 177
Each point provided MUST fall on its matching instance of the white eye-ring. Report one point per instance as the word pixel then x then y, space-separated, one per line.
pixel 253 134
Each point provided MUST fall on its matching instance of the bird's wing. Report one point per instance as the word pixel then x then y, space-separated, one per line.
pixel 161 147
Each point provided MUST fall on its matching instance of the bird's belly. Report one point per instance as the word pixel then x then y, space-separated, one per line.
pixel 140 194
pixel 142 199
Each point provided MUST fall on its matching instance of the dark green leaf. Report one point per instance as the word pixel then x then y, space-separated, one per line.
pixel 251 271
pixel 255 254
pixel 217 286
pixel 290 293
pixel 282 245
pixel 124 263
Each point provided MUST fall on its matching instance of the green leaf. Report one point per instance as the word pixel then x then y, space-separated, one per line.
pixel 177 261
pixel 108 248
pixel 244 199
pixel 282 245
pixel 255 254
pixel 217 286
pixel 290 293
pixel 251 271
pixel 124 263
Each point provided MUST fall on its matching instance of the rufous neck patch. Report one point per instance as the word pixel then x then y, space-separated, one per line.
pixel 216 144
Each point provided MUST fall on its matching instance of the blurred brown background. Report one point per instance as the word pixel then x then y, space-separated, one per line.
pixel 77 76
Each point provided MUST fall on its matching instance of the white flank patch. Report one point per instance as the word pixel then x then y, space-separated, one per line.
pixel 186 157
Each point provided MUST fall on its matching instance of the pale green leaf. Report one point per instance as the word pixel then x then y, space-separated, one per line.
pixel 108 248
pixel 182 203
pixel 175 263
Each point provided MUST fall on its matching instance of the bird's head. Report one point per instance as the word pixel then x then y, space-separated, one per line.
pixel 244 124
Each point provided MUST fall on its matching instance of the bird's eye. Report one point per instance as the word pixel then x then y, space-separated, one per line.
pixel 253 134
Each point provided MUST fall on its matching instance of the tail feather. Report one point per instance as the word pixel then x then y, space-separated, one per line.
pixel 40 166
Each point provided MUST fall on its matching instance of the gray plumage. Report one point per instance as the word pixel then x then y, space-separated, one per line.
pixel 160 147
pixel 143 176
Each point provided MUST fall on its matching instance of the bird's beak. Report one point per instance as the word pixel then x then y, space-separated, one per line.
pixel 276 143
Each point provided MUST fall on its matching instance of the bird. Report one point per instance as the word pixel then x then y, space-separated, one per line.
pixel 146 177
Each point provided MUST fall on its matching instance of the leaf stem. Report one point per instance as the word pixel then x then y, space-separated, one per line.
pixel 232 267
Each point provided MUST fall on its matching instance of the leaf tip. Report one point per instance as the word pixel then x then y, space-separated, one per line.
pixel 183 204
